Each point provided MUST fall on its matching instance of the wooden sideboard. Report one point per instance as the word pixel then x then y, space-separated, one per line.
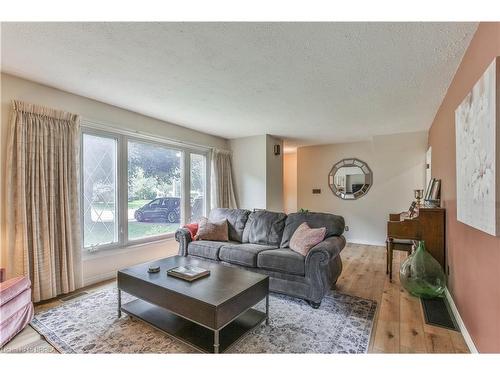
pixel 428 225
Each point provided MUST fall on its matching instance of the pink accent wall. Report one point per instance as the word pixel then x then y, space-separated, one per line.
pixel 473 256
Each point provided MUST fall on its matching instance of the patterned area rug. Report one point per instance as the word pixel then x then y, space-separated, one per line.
pixel 89 324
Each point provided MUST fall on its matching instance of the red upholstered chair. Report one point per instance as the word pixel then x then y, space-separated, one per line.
pixel 16 308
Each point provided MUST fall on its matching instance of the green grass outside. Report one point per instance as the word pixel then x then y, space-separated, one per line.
pixel 131 205
pixel 138 203
pixel 136 230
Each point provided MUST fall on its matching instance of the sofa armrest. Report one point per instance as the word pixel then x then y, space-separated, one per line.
pixel 326 250
pixel 323 266
pixel 183 236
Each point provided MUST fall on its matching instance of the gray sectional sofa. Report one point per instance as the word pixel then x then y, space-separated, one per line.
pixel 259 240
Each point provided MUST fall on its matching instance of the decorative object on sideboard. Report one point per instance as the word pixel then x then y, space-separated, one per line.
pixel 433 203
pixel 350 179
pixel 277 149
pixel 428 190
pixel 432 197
pixel 476 124
pixel 411 211
pixel 422 275
pixel 419 194
pixel 436 190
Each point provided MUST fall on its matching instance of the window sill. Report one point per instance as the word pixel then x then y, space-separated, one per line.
pixel 115 251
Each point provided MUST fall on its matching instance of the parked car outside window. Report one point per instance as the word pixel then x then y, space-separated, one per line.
pixel 160 210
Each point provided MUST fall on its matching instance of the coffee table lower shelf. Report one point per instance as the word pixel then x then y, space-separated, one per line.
pixel 192 334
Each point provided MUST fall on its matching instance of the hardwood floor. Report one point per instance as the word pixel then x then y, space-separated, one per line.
pixel 399 325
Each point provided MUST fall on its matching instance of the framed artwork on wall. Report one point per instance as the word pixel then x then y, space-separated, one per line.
pixel 477 144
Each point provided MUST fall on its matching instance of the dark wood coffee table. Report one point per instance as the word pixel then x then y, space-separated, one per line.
pixel 209 314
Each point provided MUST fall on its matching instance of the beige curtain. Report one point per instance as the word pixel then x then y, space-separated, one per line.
pixel 43 200
pixel 222 180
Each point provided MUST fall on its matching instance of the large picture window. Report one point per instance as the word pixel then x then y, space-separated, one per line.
pixel 100 223
pixel 198 179
pixel 154 190
pixel 137 190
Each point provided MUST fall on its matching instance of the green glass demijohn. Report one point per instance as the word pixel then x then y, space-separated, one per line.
pixel 422 275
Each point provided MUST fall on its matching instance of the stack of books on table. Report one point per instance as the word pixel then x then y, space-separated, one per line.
pixel 188 273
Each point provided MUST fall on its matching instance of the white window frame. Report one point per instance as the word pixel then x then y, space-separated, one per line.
pixel 208 196
pixel 123 137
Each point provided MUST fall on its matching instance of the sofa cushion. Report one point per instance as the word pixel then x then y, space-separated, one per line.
pixel 264 228
pixel 236 220
pixel 282 260
pixel 334 224
pixel 242 254
pixel 205 249
pixel 212 230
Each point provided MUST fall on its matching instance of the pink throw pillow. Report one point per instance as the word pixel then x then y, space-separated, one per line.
pixel 212 231
pixel 193 229
pixel 305 238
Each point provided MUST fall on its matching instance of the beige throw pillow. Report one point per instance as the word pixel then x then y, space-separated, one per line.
pixel 212 231
pixel 305 238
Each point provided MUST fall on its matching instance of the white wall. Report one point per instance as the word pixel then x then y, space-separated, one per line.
pixel 103 264
pixel 274 175
pixel 398 166
pixel 258 173
pixel 290 182
pixel 249 171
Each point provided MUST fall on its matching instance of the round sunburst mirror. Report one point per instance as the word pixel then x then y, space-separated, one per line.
pixel 350 179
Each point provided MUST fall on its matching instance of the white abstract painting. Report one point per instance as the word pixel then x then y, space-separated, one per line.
pixel 475 125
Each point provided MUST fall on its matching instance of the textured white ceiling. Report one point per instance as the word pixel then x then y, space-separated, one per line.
pixel 309 83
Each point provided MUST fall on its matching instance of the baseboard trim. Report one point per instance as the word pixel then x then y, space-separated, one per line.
pixel 460 322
